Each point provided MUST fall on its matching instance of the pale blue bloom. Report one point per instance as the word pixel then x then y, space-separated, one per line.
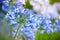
pixel 27 32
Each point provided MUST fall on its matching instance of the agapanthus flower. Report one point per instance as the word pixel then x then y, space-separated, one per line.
pixel 30 21
pixel 57 25
pixel 33 26
pixel 5 5
pixel 10 15
pixel 27 33
pixel 1 1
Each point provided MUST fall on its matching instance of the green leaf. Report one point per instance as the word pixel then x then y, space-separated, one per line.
pixel 27 5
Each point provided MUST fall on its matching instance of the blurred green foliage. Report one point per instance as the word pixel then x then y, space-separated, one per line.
pixel 27 5
pixel 45 36
pixel 53 1
pixel 4 37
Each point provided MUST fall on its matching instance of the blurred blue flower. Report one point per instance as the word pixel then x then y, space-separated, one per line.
pixel 10 15
pixel 1 1
pixel 57 25
pixel 33 26
pixel 49 31
pixel 13 33
pixel 12 8
pixel 27 32
pixel 5 6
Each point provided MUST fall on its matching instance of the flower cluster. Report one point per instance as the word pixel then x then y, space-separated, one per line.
pixel 30 21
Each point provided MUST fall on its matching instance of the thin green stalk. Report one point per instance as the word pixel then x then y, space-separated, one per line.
pixel 10 32
pixel 4 26
pixel 4 37
pixel 17 31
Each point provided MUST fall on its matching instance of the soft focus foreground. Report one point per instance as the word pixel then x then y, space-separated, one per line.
pixel 29 20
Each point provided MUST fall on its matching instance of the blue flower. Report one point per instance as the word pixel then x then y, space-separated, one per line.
pixel 57 25
pixel 27 32
pixel 13 33
pixel 49 31
pixel 12 7
pixel 10 15
pixel 1 1
pixel 12 22
pixel 5 6
pixel 33 26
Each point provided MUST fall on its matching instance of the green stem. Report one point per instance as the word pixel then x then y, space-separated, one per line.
pixel 17 31
pixel 4 26
pixel 10 32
